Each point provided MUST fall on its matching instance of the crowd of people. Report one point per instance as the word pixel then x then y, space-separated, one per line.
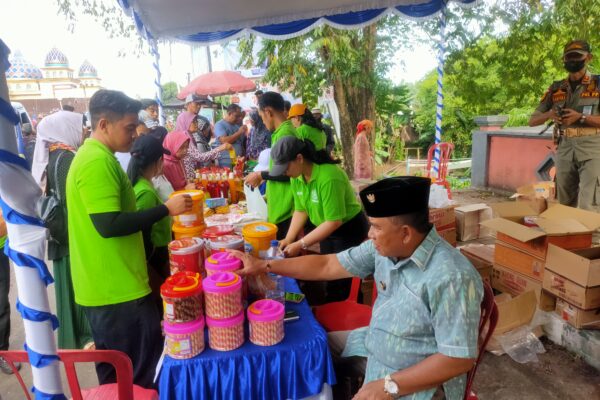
pixel 115 186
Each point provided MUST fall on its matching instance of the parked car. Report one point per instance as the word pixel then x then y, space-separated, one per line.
pixel 24 132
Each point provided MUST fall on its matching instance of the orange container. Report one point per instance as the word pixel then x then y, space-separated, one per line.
pixel 257 238
pixel 195 217
pixel 181 232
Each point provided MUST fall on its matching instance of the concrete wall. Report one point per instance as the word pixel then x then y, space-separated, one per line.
pixel 508 158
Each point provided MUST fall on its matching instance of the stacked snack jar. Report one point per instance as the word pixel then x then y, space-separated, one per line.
pixel 195 217
pixel 258 236
pixel 226 334
pixel 266 322
pixel 223 261
pixel 182 297
pixel 223 295
pixel 186 255
pixel 181 232
pixel 184 340
pixel 225 242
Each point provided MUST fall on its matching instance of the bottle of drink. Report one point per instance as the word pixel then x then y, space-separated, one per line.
pixel 277 288
pixel 204 180
pixel 224 186
pixel 213 187
pixel 233 188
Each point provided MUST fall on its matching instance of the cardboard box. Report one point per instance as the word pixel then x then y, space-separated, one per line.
pixel 449 235
pixel 442 218
pixel 513 313
pixel 579 296
pixel 508 281
pixel 563 226
pixel 468 219
pixel 519 261
pixel 482 258
pixel 536 195
pixel 579 266
pixel 577 317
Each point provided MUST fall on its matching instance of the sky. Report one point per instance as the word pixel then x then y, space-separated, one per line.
pixel 115 58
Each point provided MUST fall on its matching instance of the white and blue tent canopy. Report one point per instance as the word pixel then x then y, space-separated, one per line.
pixel 214 21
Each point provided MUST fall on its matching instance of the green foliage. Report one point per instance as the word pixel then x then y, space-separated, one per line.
pixel 169 92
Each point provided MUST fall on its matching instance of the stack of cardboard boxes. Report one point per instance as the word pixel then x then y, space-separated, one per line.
pixel 527 244
pixel 444 221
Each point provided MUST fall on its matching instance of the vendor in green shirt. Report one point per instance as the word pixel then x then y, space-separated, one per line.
pixel 108 265
pixel 279 196
pixel 307 126
pixel 147 163
pixel 322 194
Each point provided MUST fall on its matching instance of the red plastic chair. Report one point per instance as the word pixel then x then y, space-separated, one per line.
pixel 124 389
pixel 348 314
pixel 487 325
pixel 446 150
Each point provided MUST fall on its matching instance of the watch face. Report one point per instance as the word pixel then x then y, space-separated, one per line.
pixel 391 387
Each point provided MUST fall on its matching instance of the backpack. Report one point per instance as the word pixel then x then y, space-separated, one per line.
pixel 52 212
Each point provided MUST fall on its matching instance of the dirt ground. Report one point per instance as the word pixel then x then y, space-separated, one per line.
pixel 558 375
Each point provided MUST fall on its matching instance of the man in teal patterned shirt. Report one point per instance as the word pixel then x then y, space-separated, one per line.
pixel 424 329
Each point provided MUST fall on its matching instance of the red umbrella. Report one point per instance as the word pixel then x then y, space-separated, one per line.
pixel 217 84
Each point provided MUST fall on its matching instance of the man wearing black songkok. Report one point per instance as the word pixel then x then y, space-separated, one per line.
pixel 424 327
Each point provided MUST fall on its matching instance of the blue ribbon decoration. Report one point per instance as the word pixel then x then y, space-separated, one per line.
pixel 15 217
pixel 7 111
pixel 25 260
pixel 39 395
pixel 7 156
pixel 39 360
pixel 37 316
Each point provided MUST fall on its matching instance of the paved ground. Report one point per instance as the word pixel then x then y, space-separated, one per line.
pixel 557 376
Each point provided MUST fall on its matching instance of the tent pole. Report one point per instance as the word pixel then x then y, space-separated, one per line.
pixel 27 249
pixel 156 64
pixel 440 96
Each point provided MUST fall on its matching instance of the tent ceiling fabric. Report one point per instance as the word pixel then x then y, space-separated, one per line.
pixel 211 21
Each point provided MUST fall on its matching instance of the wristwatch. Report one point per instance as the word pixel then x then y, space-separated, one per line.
pixel 582 119
pixel 391 387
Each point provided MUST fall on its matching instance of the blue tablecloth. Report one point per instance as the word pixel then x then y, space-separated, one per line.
pixel 293 369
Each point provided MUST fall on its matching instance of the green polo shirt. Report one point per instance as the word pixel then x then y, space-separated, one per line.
pixel 104 271
pixel 306 132
pixel 280 203
pixel 2 242
pixel 328 196
pixel 146 197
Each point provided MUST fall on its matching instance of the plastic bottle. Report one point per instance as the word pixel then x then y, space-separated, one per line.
pixel 204 180
pixel 213 187
pixel 277 292
pixel 224 186
pixel 233 188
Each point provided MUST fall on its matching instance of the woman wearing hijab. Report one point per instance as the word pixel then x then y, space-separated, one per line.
pixel 363 157
pixel 178 145
pixel 260 137
pixel 59 135
pixel 187 122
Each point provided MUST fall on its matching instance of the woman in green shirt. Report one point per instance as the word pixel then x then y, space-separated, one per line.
pixel 146 163
pixel 307 126
pixel 322 195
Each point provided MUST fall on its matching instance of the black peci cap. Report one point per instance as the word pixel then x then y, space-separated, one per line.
pixel 396 196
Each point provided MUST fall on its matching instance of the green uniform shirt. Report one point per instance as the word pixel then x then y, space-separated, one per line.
pixel 584 99
pixel 2 242
pixel 328 196
pixel 104 271
pixel 306 132
pixel 146 197
pixel 280 203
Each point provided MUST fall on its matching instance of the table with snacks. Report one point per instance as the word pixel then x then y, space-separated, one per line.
pixel 299 366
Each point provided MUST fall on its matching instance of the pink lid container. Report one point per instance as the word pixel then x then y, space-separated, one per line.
pixel 266 311
pixel 183 328
pixel 222 261
pixel 222 282
pixel 225 323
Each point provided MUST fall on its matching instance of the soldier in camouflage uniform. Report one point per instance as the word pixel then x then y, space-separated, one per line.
pixel 573 105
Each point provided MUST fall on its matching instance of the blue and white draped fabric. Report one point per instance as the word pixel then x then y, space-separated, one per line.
pixel 206 22
pixel 26 248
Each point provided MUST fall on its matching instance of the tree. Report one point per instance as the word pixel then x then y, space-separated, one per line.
pixel 169 92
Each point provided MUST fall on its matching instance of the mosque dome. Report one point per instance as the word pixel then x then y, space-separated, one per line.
pixel 20 68
pixel 56 58
pixel 87 70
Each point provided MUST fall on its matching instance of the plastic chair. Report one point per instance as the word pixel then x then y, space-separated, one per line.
pixel 487 325
pixel 345 315
pixel 124 389
pixel 446 150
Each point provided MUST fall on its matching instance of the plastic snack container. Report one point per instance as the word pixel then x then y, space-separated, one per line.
pixel 226 334
pixel 223 295
pixel 182 297
pixel 186 255
pixel 195 217
pixel 258 236
pixel 184 340
pixel 265 318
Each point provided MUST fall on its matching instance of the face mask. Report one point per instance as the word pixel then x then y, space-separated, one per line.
pixel 574 65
